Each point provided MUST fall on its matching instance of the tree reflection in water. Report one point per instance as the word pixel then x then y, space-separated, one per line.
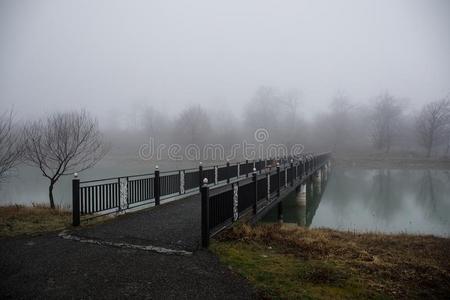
pixel 387 200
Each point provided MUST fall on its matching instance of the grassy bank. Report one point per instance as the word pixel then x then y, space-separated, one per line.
pixel 19 219
pixel 291 262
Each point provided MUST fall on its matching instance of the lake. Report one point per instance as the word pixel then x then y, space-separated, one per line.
pixel 384 200
pixel 389 200
pixel 27 185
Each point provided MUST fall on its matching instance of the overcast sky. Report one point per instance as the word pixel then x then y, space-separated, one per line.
pixel 109 55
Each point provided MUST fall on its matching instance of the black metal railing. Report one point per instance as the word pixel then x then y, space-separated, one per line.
pixel 221 206
pixel 97 197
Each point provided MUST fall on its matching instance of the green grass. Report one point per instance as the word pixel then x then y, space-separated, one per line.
pixel 293 263
pixel 283 276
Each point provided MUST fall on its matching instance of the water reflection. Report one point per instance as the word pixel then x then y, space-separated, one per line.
pixel 28 185
pixel 300 207
pixel 387 200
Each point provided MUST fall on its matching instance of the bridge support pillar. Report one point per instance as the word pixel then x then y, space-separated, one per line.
pixel 317 180
pixel 317 177
pixel 325 172
pixel 301 196
pixel 301 205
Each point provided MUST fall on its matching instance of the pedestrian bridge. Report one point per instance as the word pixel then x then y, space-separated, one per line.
pixel 203 201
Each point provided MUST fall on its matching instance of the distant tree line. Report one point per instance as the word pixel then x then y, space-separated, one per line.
pixel 384 125
pixel 63 143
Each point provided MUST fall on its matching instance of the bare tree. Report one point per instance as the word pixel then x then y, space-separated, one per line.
pixel 193 126
pixel 262 110
pixel 11 150
pixel 385 121
pixel 432 123
pixel 340 119
pixel 63 143
pixel 276 111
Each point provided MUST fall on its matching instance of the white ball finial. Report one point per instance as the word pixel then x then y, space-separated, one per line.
pixel 278 164
pixel 200 163
pixel 156 167
pixel 205 180
pixel 75 175
pixel 254 169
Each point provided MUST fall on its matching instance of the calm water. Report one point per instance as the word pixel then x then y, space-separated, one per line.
pixel 411 201
pixel 27 185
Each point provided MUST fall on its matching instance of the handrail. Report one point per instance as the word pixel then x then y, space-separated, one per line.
pixel 98 196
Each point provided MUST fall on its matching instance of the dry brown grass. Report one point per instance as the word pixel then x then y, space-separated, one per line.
pixel 400 266
pixel 19 219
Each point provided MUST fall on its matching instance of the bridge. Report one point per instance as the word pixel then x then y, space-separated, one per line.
pixel 198 203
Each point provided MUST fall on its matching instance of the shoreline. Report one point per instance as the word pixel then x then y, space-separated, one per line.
pixel 382 162
pixel 286 262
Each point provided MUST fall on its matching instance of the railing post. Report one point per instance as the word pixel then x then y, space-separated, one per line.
pixel 255 183
pixel 75 200
pixel 216 174
pixel 246 165
pixel 157 187
pixel 280 212
pixel 293 172
pixel 200 176
pixel 205 213
pixel 228 171
pixel 279 179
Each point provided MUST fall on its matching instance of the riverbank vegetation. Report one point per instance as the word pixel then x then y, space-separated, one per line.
pixel 38 218
pixel 19 219
pixel 290 262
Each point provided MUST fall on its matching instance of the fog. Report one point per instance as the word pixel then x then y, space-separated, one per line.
pixel 108 56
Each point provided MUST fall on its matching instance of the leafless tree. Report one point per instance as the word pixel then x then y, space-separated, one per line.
pixel 193 126
pixel 11 150
pixel 262 110
pixel 385 120
pixel 433 123
pixel 63 143
pixel 340 119
pixel 276 111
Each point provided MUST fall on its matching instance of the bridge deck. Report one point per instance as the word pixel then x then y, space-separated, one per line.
pixel 173 225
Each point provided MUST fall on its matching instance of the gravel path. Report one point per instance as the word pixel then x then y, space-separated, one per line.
pixel 51 267
pixel 174 225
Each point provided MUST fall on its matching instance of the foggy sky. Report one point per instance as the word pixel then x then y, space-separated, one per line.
pixel 109 55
